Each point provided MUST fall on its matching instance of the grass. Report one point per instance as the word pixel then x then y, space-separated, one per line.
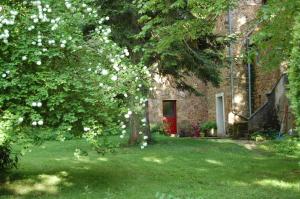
pixel 173 167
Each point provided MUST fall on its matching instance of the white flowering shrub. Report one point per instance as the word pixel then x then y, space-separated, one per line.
pixel 60 69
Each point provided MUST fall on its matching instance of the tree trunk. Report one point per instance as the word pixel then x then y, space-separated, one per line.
pixel 134 126
pixel 147 128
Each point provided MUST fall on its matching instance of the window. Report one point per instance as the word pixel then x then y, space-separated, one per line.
pixel 169 108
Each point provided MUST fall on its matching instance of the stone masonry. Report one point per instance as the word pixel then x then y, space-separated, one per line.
pixel 235 91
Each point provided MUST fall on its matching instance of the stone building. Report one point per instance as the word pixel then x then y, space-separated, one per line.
pixel 242 93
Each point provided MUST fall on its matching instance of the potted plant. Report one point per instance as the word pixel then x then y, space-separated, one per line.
pixel 209 128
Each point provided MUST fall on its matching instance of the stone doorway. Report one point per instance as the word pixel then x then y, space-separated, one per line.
pixel 220 114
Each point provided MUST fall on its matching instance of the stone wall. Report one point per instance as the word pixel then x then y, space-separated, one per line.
pixel 263 84
pixel 189 107
pixel 236 99
pixel 236 109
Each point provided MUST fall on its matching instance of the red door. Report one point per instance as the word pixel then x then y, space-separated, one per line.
pixel 169 116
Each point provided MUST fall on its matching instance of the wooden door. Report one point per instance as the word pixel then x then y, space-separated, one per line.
pixel 170 116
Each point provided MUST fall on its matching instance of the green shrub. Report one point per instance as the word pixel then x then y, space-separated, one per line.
pixel 8 160
pixel 264 135
pixel 288 145
pixel 61 70
pixel 294 71
pixel 158 128
pixel 208 125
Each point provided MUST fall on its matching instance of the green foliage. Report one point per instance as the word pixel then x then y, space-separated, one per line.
pixel 287 145
pixel 294 71
pixel 60 70
pixel 179 38
pixel 175 38
pixel 264 135
pixel 208 126
pixel 158 128
pixel 275 20
pixel 8 160
pixel 277 42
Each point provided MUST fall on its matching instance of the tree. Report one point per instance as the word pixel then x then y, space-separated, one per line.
pixel 179 36
pixel 60 70
pixel 176 36
pixel 278 42
pixel 294 71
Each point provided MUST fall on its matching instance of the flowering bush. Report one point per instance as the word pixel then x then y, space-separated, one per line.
pixel 60 69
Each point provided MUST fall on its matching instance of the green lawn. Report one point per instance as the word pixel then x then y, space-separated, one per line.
pixel 179 168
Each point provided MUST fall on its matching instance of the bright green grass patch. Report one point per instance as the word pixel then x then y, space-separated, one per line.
pixel 173 167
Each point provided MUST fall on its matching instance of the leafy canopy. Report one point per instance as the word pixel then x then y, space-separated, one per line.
pixel 179 36
pixel 60 70
pixel 277 42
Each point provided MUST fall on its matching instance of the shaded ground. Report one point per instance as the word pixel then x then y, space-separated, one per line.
pixel 178 168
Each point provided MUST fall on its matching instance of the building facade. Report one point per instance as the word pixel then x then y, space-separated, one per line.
pixel 241 94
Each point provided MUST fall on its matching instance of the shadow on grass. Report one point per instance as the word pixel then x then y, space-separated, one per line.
pixel 181 167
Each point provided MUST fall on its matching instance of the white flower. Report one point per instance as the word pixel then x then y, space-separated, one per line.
pixel 140 132
pixel 34 104
pixel 38 63
pixel 34 123
pixel 24 58
pixel 86 129
pixel 7 72
pixel 30 28
pixel 145 144
pixel 62 45
pixel 89 9
pixel 114 78
pixel 51 41
pixel 123 126
pixel 13 12
pixel 68 5
pixel 145 137
pixel 106 18
pixel 124 132
pixel 39 104
pixel 121 136
pixel 127 116
pixel 125 95
pixel 142 147
pixel 129 112
pixel 89 69
pixel 126 52
pixel 41 122
pixel 104 72
pixel 20 120
pixel 143 120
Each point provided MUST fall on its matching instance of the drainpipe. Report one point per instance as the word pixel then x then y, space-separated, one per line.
pixel 249 81
pixel 231 60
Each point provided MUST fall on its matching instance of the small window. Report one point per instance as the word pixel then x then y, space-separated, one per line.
pixel 169 108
